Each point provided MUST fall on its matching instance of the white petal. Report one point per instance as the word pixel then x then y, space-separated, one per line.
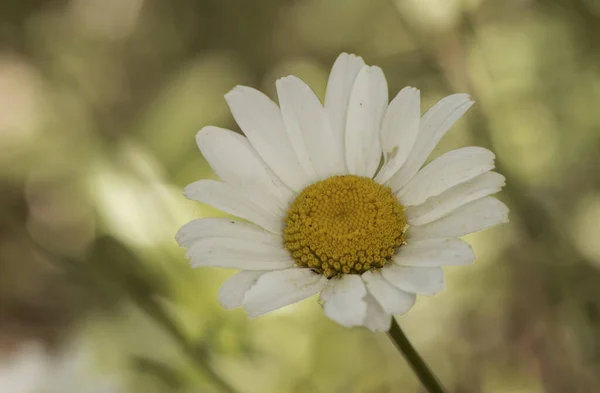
pixel 446 171
pixel 280 288
pixel 261 121
pixel 459 195
pixel 392 299
pixel 368 101
pixel 251 204
pixel 434 124
pixel 343 300
pixel 376 320
pixel 232 292
pixel 421 280
pixel 472 217
pixel 306 122
pixel 339 86
pixel 399 131
pixel 222 227
pixel 239 254
pixel 434 252
pixel 234 160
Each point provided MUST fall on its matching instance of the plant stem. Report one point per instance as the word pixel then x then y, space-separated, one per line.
pixel 419 366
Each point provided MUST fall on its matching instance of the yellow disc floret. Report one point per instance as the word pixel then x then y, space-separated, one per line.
pixel 344 224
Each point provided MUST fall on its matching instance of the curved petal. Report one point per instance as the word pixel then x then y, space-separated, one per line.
pixel 434 124
pixel 446 171
pixel 368 101
pixel 308 127
pixel 234 160
pixel 421 280
pixel 376 320
pixel 239 254
pixel 232 292
pixel 457 196
pixel 261 121
pixel 434 252
pixel 222 227
pixel 280 288
pixel 392 300
pixel 481 214
pixel 343 300
pixel 339 86
pixel 399 131
pixel 253 205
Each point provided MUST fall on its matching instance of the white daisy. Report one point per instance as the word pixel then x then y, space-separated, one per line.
pixel 335 200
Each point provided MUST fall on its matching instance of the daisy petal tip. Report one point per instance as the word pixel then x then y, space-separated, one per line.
pixel 286 80
pixel 193 265
pixel 462 100
pixel 353 56
pixel 253 311
pixel 344 56
pixel 240 94
pixel 503 208
pixel 503 213
pixel 377 72
pixel 227 306
pixel 380 329
pixel 187 192
pixel 179 238
pixel 408 307
pixel 439 288
pixel 235 90
pixel 231 94
pixel 281 84
pixel 225 303
pixel 252 314
pixel 381 326
pixel 204 131
pixel 202 134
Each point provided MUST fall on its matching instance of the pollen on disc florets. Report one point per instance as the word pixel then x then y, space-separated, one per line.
pixel 344 224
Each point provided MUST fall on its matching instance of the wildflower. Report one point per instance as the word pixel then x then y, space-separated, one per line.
pixel 336 199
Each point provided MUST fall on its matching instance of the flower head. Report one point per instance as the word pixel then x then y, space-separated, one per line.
pixel 335 198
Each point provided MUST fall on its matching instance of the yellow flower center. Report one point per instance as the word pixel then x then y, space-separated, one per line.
pixel 344 224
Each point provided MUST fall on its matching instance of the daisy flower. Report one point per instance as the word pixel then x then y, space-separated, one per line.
pixel 334 199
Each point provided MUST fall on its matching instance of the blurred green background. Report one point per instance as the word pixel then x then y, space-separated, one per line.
pixel 99 104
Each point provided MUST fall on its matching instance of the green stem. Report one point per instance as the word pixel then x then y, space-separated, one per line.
pixel 412 357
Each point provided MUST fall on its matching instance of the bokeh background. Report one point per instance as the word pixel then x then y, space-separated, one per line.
pixel 99 104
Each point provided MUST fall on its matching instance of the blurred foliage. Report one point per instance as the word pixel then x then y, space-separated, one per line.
pixel 99 104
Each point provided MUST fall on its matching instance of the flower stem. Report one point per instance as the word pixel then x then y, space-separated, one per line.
pixel 429 381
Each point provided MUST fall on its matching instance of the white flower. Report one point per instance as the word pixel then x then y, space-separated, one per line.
pixel 324 215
